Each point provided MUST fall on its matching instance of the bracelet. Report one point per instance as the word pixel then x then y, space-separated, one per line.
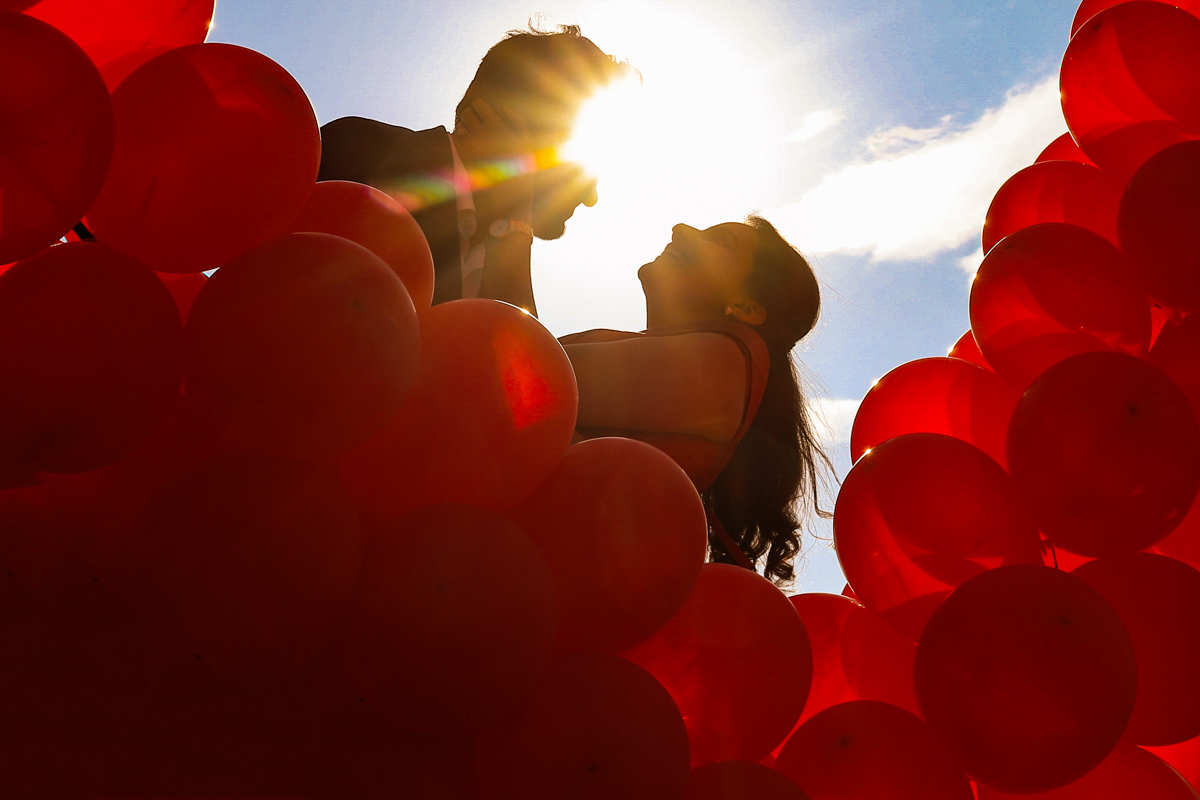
pixel 503 228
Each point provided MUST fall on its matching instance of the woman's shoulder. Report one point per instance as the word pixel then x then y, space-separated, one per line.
pixel 753 348
pixel 598 335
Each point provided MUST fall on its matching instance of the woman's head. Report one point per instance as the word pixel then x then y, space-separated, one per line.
pixel 775 472
pixel 744 272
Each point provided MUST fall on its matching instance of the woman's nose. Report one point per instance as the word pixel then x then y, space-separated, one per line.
pixel 683 232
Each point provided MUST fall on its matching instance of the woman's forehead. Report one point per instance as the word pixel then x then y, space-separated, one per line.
pixel 739 229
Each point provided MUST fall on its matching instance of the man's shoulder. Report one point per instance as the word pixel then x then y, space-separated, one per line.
pixel 361 149
pixel 362 126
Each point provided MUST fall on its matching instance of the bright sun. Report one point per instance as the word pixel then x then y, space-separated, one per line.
pixel 690 144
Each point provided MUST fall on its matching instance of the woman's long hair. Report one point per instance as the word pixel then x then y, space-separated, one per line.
pixel 772 479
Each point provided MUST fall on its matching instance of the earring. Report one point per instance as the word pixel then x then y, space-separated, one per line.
pixel 728 310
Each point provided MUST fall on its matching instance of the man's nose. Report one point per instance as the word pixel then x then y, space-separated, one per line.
pixel 682 232
pixel 590 198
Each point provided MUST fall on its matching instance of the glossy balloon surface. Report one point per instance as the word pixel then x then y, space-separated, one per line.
pixel 489 418
pixel 1158 600
pixel 936 395
pixel 919 515
pixel 856 656
pixel 1029 674
pixel 735 623
pixel 1105 450
pixel 91 351
pixel 58 135
pixel 1159 225
pixel 217 150
pixel 1051 291
pixel 625 535
pixel 1064 149
pixel 306 345
pixel 1054 191
pixel 120 35
pixel 868 750
pixel 1127 772
pixel 365 215
pixel 1129 84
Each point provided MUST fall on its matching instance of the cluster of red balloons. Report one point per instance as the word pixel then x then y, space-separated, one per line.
pixel 290 531
pixel 1021 510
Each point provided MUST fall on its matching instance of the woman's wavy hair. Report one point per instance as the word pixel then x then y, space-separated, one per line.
pixel 773 480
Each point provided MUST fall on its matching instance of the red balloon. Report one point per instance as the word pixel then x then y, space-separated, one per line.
pixel 919 515
pixel 58 135
pixel 735 624
pixel 1158 600
pixel 184 288
pixel 1176 352
pixel 372 218
pixel 855 655
pixel 1127 772
pixel 1090 8
pixel 1184 757
pixel 1054 191
pixel 442 638
pixel 596 727
pixel 1051 291
pixel 625 535
pixel 1064 149
pixel 1130 84
pixel 1029 674
pixel 257 556
pixel 217 150
pixel 967 349
pixel 740 780
pixel 1105 450
pixel 1160 225
pixel 490 416
pixel 306 345
pixel 120 35
pixel 936 395
pixel 868 750
pixel 90 347
pixel 355 752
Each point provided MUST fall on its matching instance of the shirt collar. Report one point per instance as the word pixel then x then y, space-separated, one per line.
pixel 464 201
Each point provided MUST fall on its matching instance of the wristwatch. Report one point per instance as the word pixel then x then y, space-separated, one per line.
pixel 506 227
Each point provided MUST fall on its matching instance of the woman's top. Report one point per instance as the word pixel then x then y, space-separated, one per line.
pixel 700 458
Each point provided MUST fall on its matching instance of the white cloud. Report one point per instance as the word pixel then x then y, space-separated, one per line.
pixel 970 264
pixel 815 123
pixel 900 139
pixel 930 191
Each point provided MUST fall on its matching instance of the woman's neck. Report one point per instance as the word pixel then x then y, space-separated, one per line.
pixel 658 314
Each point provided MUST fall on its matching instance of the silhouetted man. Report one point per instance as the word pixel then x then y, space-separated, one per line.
pixel 482 193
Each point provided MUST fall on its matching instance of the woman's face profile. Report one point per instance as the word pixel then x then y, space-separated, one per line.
pixel 704 270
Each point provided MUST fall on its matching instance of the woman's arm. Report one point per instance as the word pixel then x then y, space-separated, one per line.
pixel 693 383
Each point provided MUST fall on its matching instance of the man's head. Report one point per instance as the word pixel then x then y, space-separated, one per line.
pixel 545 76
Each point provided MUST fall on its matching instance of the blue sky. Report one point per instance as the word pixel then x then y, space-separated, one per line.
pixel 872 133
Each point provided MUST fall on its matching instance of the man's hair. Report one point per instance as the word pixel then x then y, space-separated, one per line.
pixel 543 75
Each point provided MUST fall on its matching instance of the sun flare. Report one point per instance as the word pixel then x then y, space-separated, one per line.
pixel 688 143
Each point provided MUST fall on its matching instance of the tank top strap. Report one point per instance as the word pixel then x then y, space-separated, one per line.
pixel 754 350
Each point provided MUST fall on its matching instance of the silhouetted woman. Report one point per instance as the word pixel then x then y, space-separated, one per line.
pixel 711 382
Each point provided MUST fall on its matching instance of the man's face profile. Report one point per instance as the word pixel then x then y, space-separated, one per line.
pixel 558 191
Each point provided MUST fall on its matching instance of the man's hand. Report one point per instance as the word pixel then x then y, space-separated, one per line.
pixel 500 156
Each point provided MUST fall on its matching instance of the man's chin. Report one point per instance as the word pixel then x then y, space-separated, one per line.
pixel 550 231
